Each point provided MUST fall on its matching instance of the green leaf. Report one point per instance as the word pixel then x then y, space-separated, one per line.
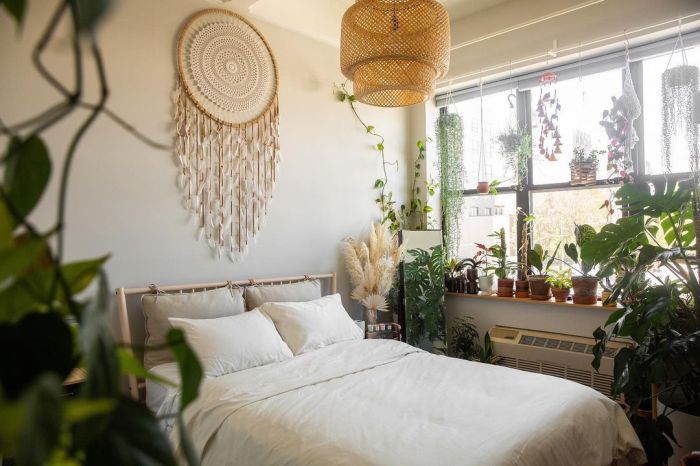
pixel 80 409
pixel 190 368
pixel 16 260
pixel 90 12
pixel 128 364
pixel 571 251
pixel 43 419
pixel 379 183
pixel 427 209
pixel 16 8
pixel 666 426
pixel 370 128
pixel 380 147
pixel 27 173
pixel 80 275
pixel 6 227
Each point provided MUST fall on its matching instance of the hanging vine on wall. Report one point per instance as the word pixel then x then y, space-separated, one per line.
pixel 449 129
pixel 413 215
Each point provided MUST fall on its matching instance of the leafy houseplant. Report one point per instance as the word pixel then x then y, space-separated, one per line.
pixel 465 342
pixel 584 167
pixel 541 261
pixel 458 274
pixel 515 146
pixel 486 280
pixel 503 268
pixel 560 282
pixel 449 130
pixel 660 294
pixel 425 296
pixel 48 326
pixel 585 285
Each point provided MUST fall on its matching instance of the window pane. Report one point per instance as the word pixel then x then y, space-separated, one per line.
pixel 494 213
pixel 653 68
pixel 498 116
pixel 556 213
pixel 582 103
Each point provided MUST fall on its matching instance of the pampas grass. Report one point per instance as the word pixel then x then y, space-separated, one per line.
pixel 372 267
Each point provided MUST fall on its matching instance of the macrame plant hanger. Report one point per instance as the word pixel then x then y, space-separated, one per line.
pixel 679 86
pixel 227 128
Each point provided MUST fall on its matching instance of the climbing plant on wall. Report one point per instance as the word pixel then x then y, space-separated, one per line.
pixel 449 130
pixel 409 216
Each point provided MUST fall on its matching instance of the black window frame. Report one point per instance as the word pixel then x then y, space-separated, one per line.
pixel 523 197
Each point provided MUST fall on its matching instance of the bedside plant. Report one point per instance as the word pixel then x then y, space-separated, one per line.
pixel 425 296
pixel 560 282
pixel 464 343
pixel 660 293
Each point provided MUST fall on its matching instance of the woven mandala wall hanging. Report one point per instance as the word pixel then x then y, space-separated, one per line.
pixel 227 128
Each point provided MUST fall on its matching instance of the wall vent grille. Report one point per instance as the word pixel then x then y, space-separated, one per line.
pixel 600 382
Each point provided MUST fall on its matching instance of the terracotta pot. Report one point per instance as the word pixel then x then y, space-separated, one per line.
pixel 560 294
pixel 505 287
pixel 482 187
pixel 539 288
pixel 522 289
pixel 585 290
pixel 604 296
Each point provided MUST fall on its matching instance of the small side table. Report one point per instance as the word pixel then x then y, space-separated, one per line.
pixel 392 331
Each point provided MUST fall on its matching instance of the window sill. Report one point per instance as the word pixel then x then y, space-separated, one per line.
pixel 550 302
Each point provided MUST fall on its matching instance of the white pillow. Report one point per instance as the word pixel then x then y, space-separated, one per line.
pixel 209 304
pixel 231 344
pixel 313 324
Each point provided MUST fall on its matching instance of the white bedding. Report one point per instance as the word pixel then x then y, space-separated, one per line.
pixel 381 402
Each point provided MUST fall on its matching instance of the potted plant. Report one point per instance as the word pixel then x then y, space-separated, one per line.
pixel 503 268
pixel 425 298
pixel 541 261
pixel 660 295
pixel 515 146
pixel 584 167
pixel 560 283
pixel 464 343
pixel 522 285
pixel 488 279
pixel 456 274
pixel 585 285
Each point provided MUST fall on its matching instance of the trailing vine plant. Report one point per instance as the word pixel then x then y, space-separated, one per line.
pixel 413 216
pixel 449 129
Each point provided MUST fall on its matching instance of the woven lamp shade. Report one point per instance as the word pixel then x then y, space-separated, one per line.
pixel 395 50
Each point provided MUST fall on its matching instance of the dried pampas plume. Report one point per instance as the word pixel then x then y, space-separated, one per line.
pixel 372 266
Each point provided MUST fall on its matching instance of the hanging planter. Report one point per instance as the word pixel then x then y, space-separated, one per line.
pixel 584 168
pixel 449 129
pixel 482 187
pixel 679 85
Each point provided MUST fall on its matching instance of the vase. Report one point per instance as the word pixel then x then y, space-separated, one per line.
pixel 522 289
pixel 505 287
pixel 560 294
pixel 371 316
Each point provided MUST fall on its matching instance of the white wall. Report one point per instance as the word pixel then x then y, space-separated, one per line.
pixel 122 196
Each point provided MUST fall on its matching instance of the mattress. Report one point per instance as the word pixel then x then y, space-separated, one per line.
pixel 382 402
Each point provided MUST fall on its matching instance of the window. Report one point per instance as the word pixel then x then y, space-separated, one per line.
pixel 583 93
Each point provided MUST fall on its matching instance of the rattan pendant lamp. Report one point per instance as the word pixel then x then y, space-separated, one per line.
pixel 394 50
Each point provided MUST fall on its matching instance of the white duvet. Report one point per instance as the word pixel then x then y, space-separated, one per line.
pixel 381 402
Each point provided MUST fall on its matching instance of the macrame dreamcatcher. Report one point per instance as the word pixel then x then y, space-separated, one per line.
pixel 548 108
pixel 227 122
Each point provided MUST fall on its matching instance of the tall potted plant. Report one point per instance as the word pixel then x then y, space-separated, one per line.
pixel 425 297
pixel 585 285
pixel 503 268
pixel 660 294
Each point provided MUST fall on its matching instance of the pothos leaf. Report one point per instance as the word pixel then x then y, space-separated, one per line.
pixel 16 8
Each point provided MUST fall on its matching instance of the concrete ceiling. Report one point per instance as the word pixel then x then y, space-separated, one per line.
pixel 320 19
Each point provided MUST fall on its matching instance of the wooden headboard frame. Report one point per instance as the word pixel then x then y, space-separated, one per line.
pixel 122 293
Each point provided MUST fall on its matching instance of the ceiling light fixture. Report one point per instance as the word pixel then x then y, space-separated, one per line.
pixel 395 50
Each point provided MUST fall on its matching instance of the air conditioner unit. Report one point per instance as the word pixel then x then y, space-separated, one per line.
pixel 565 356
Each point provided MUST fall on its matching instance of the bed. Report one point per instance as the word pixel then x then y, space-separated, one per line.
pixel 383 402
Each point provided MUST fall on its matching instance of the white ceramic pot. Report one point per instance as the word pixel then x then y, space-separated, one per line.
pixel 487 283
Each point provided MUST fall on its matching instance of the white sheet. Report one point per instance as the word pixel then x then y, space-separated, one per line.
pixel 380 402
pixel 163 399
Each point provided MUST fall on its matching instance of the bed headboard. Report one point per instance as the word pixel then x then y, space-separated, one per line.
pixel 131 324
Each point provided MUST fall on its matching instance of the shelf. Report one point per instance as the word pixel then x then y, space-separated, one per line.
pixel 550 302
